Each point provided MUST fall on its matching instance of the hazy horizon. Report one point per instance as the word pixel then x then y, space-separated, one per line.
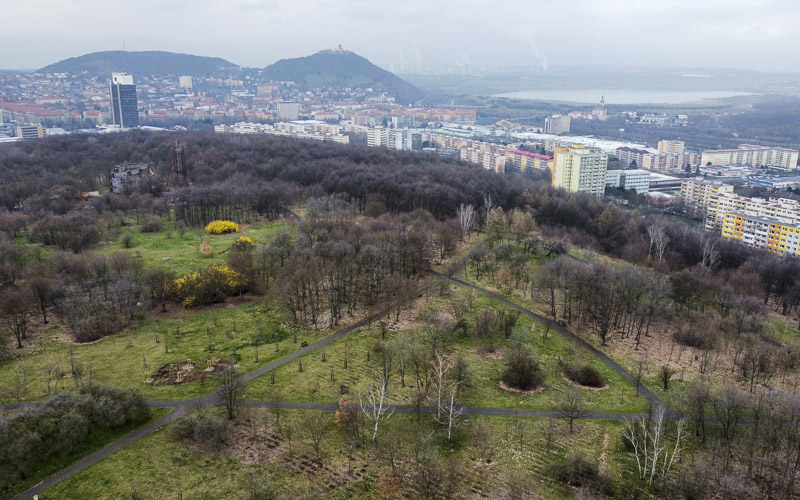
pixel 414 35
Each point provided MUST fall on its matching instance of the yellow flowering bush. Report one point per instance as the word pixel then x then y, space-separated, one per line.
pixel 209 286
pixel 222 227
pixel 243 242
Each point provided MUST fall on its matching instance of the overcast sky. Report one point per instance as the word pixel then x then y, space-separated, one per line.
pixel 407 34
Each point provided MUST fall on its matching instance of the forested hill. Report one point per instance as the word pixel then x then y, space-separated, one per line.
pixel 341 68
pixel 154 62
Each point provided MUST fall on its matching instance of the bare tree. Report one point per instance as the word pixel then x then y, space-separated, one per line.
pixel 230 391
pixel 374 407
pixel 15 311
pixel 571 405
pixel 450 413
pixel 658 241
pixel 315 424
pixel 466 219
pixel 653 453
pixel 710 254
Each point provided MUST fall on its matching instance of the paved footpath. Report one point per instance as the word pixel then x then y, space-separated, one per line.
pixel 182 406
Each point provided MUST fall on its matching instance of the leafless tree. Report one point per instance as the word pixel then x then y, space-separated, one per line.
pixel 230 391
pixel 315 424
pixel 571 405
pixel 710 254
pixel 451 412
pixel 658 241
pixel 652 450
pixel 466 219
pixel 373 406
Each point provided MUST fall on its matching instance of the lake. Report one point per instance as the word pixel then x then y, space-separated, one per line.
pixel 621 96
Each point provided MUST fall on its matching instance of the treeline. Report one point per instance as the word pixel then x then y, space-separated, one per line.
pixel 61 425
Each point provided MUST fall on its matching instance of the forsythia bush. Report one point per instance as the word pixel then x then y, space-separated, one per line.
pixel 222 227
pixel 209 286
pixel 243 242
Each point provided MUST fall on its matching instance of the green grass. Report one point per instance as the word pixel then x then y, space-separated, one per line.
pixel 184 250
pixel 96 440
pixel 158 466
pixel 315 384
pixel 779 329
pixel 119 359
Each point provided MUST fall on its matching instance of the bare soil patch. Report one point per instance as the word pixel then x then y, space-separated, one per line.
pixel 186 371
pixel 520 391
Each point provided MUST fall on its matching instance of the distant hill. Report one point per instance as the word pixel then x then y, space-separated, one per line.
pixel 341 68
pixel 154 62
pixel 11 72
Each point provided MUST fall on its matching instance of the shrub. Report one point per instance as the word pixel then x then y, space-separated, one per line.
pixel 222 227
pixel 152 226
pixel 577 471
pixel 204 429
pixel 209 286
pixel 521 371
pixel 694 338
pixel 243 243
pixel 584 375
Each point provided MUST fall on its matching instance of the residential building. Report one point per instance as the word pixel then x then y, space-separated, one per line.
pixel 720 204
pixel 628 156
pixel 753 156
pixel 185 82
pixel 556 124
pixel 378 136
pixel 776 235
pixel 400 139
pixel 487 159
pixel 675 147
pixel 665 163
pixel 522 161
pixel 124 103
pixel 289 110
pixel 635 179
pixel 581 170
pixel 696 193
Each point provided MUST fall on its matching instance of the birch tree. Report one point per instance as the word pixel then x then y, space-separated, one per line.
pixel 652 449
pixel 373 406
pixel 466 219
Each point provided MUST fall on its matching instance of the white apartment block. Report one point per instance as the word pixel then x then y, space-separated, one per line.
pixel 378 136
pixel 696 193
pixel 637 179
pixel 400 139
pixel 557 124
pixel 753 156
pixel 581 170
pixel 488 160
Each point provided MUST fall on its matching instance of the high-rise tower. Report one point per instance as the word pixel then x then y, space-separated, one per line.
pixel 124 105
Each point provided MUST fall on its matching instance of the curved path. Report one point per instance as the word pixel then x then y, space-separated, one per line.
pixel 644 391
pixel 211 399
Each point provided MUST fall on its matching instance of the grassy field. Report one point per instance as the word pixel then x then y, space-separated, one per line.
pixel 96 440
pixel 159 466
pixel 129 358
pixel 324 381
pixel 182 246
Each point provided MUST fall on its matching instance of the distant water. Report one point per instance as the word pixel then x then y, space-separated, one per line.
pixel 621 96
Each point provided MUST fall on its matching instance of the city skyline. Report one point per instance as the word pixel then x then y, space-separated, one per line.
pixel 417 35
